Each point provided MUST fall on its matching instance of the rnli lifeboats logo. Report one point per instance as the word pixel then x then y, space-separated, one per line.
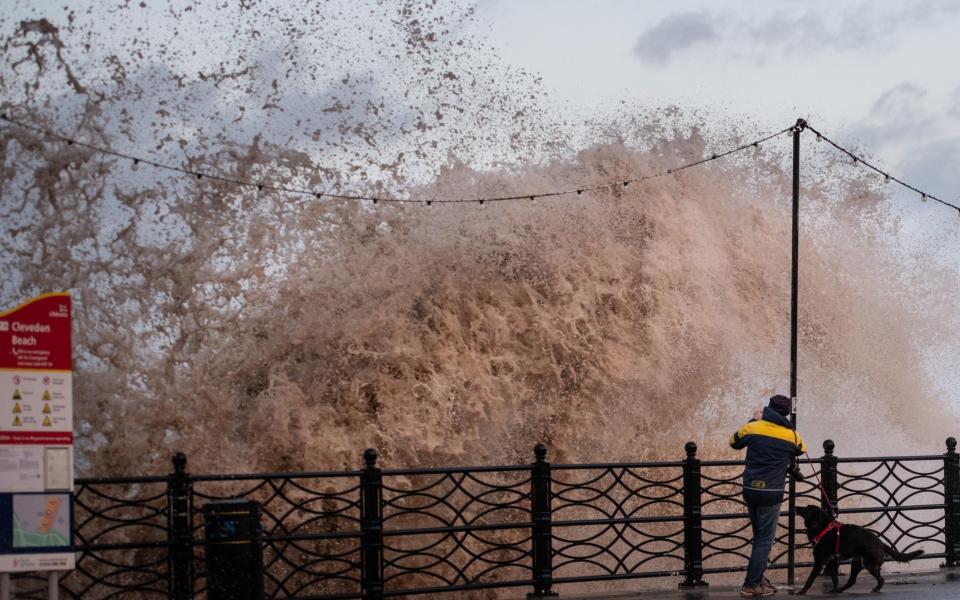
pixel 758 483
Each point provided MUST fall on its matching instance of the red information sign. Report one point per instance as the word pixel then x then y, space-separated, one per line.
pixel 36 436
pixel 36 335
pixel 36 398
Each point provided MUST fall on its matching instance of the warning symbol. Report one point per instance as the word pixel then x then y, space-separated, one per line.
pixel 46 422
pixel 16 408
pixel 46 395
pixel 17 422
pixel 46 409
pixel 16 394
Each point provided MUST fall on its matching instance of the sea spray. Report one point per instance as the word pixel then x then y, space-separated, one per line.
pixel 262 331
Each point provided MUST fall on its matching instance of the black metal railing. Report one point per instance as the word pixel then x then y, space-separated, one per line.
pixel 376 533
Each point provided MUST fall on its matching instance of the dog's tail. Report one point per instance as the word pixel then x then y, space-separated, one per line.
pixel 901 556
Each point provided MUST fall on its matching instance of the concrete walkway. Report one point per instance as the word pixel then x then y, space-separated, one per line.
pixel 931 585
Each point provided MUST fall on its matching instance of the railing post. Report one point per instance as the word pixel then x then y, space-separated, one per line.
pixel 828 475
pixel 371 527
pixel 180 530
pixel 951 497
pixel 542 519
pixel 692 521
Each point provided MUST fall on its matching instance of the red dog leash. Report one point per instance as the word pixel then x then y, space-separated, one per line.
pixel 834 523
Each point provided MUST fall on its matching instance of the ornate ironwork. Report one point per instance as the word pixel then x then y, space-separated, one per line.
pixel 456 528
pixel 902 499
pixel 311 538
pixel 617 521
pixel 121 537
pixel 726 527
pixel 372 533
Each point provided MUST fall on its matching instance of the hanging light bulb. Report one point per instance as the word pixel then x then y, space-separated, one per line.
pixel 886 178
pixel 923 197
pixel 819 138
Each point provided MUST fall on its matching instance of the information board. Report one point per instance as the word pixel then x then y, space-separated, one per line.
pixel 36 436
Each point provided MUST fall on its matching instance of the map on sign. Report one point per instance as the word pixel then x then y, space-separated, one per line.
pixel 41 521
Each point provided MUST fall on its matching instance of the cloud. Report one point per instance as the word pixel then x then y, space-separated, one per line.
pixel 933 167
pixel 673 34
pixel 849 28
pixel 797 30
pixel 786 32
pixel 901 97
pixel 908 128
pixel 899 116
pixel 901 112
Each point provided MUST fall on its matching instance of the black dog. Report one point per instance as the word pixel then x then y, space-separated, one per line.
pixel 862 546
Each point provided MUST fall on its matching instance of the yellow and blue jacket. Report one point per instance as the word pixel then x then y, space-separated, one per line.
pixel 771 445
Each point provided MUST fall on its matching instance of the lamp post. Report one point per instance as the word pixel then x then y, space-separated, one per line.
pixel 794 286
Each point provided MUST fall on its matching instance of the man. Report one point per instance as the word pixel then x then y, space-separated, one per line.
pixel 772 447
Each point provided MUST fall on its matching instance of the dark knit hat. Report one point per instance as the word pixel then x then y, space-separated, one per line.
pixel 781 404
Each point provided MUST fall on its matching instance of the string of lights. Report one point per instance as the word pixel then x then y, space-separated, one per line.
pixel 261 186
pixel 887 177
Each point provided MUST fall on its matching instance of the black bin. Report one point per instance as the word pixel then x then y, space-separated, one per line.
pixel 234 552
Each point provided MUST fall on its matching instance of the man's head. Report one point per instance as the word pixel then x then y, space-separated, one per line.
pixel 781 404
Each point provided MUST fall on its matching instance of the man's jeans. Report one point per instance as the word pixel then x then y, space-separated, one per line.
pixel 763 520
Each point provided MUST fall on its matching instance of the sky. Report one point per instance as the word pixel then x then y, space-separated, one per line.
pixel 880 74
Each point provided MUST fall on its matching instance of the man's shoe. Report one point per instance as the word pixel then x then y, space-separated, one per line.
pixel 766 583
pixel 756 591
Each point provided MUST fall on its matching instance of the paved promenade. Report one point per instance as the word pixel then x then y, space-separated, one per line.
pixel 931 585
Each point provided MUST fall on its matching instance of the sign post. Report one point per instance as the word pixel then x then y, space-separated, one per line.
pixel 36 437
